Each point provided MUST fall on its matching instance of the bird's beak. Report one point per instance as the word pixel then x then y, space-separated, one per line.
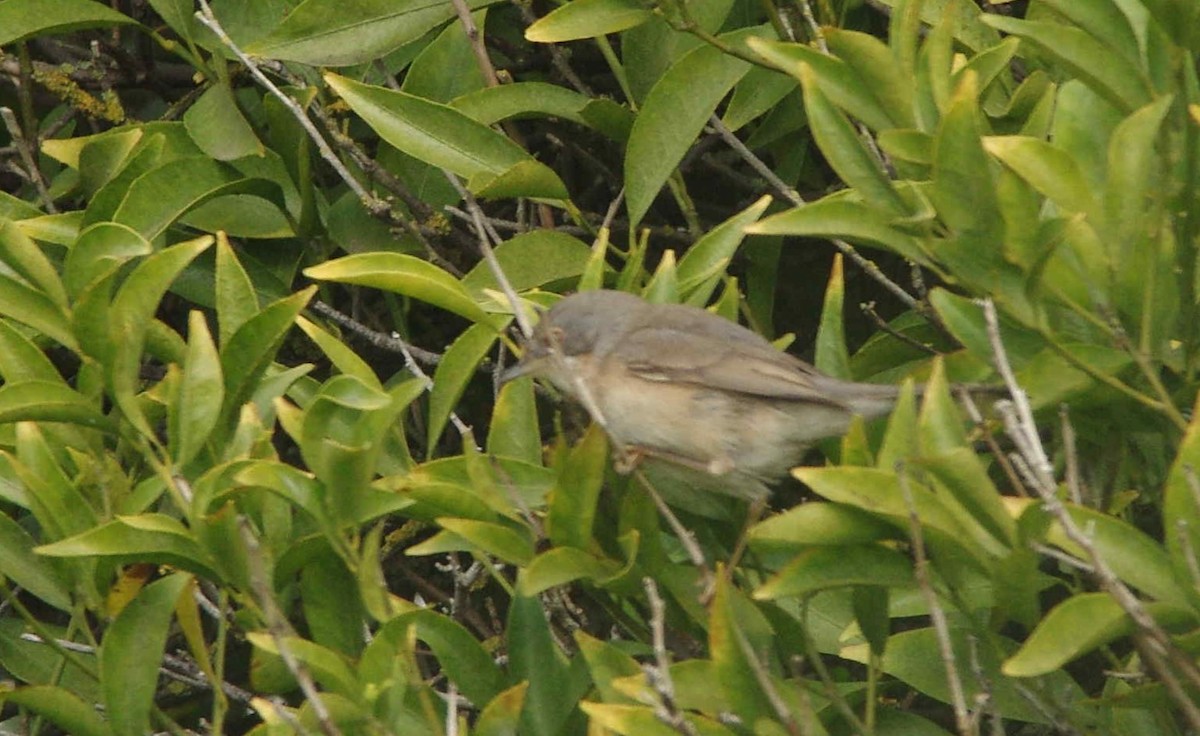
pixel 529 365
pixel 513 372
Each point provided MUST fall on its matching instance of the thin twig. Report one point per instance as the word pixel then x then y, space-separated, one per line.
pixel 28 158
pixel 1069 449
pixel 482 231
pixel 370 201
pixel 1157 647
pixel 686 538
pixel 791 195
pixel 937 616
pixel 984 704
pixel 763 678
pixel 659 674
pixel 968 402
pixel 381 340
pixel 868 308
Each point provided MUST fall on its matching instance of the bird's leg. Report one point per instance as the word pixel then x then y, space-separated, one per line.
pixel 627 457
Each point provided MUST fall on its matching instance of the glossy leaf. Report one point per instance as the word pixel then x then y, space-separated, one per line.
pixel 702 266
pixel 404 275
pixel 443 137
pixel 20 19
pixel 672 115
pixel 59 706
pixel 823 567
pixel 1077 626
pixel 330 33
pixel 193 413
pixel 219 128
pixel 132 309
pixel 19 564
pixel 1085 57
pixel 128 676
pixel 587 19
pixel 457 367
pixel 142 538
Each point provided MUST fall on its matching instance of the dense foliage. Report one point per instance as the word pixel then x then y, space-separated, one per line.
pixel 257 474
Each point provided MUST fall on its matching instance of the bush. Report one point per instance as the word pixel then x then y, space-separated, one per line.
pixel 220 464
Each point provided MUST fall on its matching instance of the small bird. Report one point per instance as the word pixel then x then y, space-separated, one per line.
pixel 678 383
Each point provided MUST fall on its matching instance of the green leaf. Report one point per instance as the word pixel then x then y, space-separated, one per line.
pixel 963 188
pixel 403 275
pixel 641 720
pixel 832 567
pixel 21 19
pixel 502 715
pixel 738 636
pixel 24 257
pixel 907 657
pixel 963 474
pixel 130 654
pixel 328 667
pixel 673 114
pixel 454 371
pixel 132 310
pixel 332 33
pixel 839 81
pixel 463 659
pixel 1181 503
pixel 99 251
pixel 880 492
pixel 37 400
pixel 246 356
pixel 219 128
pixel 1134 171
pixel 513 431
pixel 343 358
pixel 702 266
pixel 876 67
pixel 142 538
pixel 61 707
pixel 577 491
pixel 31 307
pixel 22 566
pixel 816 523
pixel 163 194
pixel 21 359
pixel 1048 169
pixel 845 151
pixel 562 565
pixel 1077 626
pixel 1084 56
pixel 443 137
pixel 194 410
pixel 839 217
pixel 587 19
pixel 497 540
pixel 236 299
pixel 1135 558
pixel 530 260
pixel 491 105
pixel 178 15
pixel 447 67
pixel 533 656
pixel 56 502
pixel 832 356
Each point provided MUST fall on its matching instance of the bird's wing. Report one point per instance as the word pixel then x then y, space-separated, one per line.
pixel 724 362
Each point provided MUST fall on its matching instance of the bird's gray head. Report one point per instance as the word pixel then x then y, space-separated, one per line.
pixel 584 323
